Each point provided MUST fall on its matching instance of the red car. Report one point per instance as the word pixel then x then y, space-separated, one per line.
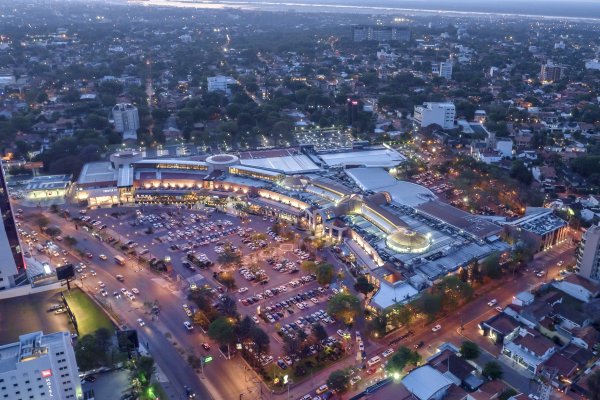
pixel 371 371
pixel 89 255
pixel 206 346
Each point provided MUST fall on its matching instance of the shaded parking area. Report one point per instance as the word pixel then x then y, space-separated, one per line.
pixel 30 313
pixel 108 385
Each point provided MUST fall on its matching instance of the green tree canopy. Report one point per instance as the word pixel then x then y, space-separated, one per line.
pixel 222 331
pixel 402 358
pixel 492 370
pixel 344 306
pixel 338 381
pixel 469 350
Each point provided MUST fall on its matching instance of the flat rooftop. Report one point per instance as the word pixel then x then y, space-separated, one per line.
pixel 463 220
pixel 540 221
pixel 382 157
pixel 289 164
pixel 97 172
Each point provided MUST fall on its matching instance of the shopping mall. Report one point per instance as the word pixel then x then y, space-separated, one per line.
pixel 396 232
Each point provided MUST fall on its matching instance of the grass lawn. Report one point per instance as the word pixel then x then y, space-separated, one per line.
pixel 89 316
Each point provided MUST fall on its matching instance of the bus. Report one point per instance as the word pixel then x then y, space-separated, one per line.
pixel 373 361
pixel 120 260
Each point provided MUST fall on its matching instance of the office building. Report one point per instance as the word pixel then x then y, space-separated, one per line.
pixel 127 120
pixel 361 33
pixel 12 264
pixel 551 72
pixel 588 259
pixel 442 114
pixel 38 367
pixel 221 83
pixel 446 70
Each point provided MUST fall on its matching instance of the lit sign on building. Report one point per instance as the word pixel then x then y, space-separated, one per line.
pixel 47 373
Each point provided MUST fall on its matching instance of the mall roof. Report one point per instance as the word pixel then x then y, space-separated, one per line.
pixel 291 164
pixel 383 157
pixel 125 176
pixel 49 182
pixel 256 170
pixel 424 382
pixel 97 172
pixel 540 221
pixel 379 180
pixel 165 161
pixel 388 295
pixel 460 219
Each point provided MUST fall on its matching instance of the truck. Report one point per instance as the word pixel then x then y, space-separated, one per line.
pixel 120 260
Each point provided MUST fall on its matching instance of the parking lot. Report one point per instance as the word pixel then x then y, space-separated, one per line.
pixel 270 285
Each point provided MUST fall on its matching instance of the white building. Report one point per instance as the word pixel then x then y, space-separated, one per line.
pixel 39 366
pixel 504 147
pixel 442 114
pixel 221 83
pixel 588 254
pixel 446 70
pixel 593 64
pixel 126 119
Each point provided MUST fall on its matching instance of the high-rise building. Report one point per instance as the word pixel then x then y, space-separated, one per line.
pixel 12 264
pixel 442 114
pixel 39 366
pixel 361 33
pixel 588 254
pixel 551 72
pixel 446 70
pixel 126 119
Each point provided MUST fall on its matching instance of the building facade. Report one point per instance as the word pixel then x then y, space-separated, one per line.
pixel 587 254
pixel 446 70
pixel 361 33
pixel 12 264
pixel 220 83
pixel 442 114
pixel 551 72
pixel 126 119
pixel 39 366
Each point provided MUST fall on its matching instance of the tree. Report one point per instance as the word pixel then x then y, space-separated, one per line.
pixel 363 285
pixel 229 255
pixel 53 231
pixel 430 304
pixel 260 338
pixel 402 314
pixel 344 306
pixel 229 306
pixel 519 171
pixel 70 241
pixel 491 266
pixel 593 383
pixel 469 350
pixel 319 331
pixel 338 381
pixel 309 266
pixel 492 370
pixel 222 331
pixel 402 358
pixel 227 280
pixel 42 221
pixel 324 274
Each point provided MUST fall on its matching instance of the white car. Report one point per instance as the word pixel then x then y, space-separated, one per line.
pixel 103 292
pixel 101 284
pixel 242 290
pixel 135 290
pixel 93 273
pixel 492 303
pixel 355 380
pixel 102 257
pixel 255 319
pixel 387 353
pixel 188 325
pixel 436 328
pixel 141 322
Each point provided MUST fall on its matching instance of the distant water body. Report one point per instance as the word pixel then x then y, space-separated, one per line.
pixel 577 10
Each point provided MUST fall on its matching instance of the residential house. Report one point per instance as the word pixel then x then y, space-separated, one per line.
pixel 570 317
pixel 499 328
pixel 529 349
pixel 587 337
pixel 426 383
pixel 559 368
pixel 457 369
pixel 579 287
